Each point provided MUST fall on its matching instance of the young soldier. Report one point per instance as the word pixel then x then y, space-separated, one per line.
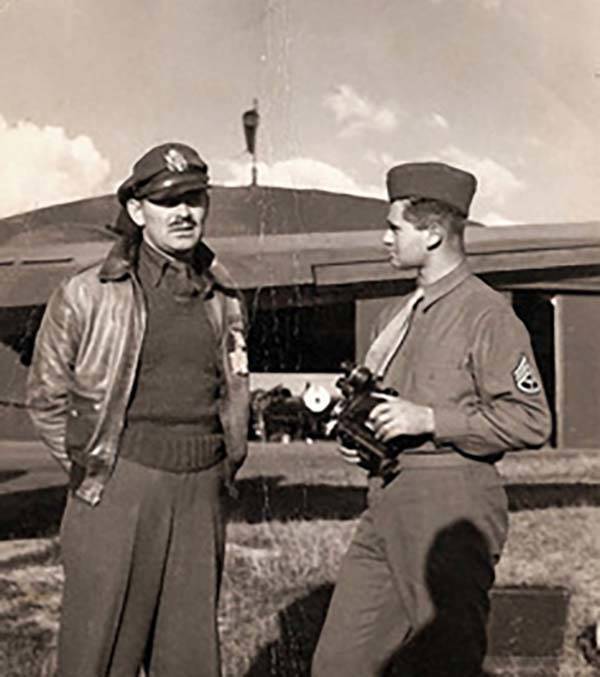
pixel 413 587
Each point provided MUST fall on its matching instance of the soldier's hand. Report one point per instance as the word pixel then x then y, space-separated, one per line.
pixel 396 416
pixel 230 469
pixel 349 455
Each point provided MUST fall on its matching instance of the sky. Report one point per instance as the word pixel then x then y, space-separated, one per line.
pixel 507 89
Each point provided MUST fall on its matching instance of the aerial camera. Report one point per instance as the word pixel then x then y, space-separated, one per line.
pixel 361 391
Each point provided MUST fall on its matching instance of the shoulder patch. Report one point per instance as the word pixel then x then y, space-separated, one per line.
pixel 525 378
pixel 237 352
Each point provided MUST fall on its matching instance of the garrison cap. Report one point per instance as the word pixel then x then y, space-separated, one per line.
pixel 432 181
pixel 165 170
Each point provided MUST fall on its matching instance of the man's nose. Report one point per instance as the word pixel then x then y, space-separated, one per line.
pixel 388 238
pixel 183 208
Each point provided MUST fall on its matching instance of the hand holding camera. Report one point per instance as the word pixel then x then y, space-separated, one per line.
pixel 372 423
pixel 394 416
pixel 350 420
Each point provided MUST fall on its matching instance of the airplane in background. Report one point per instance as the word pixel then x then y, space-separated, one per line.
pixel 315 275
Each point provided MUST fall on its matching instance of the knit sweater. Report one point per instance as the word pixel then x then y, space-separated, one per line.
pixel 172 419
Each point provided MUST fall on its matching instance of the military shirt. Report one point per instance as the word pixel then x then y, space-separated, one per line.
pixel 469 358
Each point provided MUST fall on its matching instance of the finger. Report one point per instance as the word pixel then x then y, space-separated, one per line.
pixel 378 410
pixel 383 418
pixel 349 455
pixel 387 435
pixel 374 424
pixel 387 432
pixel 384 396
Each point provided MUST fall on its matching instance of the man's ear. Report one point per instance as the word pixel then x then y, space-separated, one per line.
pixel 205 215
pixel 136 214
pixel 206 207
pixel 435 237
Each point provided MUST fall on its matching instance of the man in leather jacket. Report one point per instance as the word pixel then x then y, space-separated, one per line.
pixel 139 387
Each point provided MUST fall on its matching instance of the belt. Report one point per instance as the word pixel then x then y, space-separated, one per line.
pixel 425 459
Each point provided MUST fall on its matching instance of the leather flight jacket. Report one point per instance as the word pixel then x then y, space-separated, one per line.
pixel 86 358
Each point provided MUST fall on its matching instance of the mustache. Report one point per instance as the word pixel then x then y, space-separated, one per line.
pixel 183 221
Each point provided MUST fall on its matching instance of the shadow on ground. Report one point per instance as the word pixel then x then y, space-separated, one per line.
pixel 9 475
pixel 557 495
pixel 268 498
pixel 299 624
pixel 431 652
pixel 30 514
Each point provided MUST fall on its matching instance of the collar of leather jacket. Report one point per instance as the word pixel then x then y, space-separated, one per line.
pixel 122 259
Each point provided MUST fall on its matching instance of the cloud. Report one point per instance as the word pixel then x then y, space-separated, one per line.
pixel 300 172
pixel 357 114
pixel 382 160
pixel 496 219
pixel 43 166
pixel 534 141
pixel 440 121
pixel 496 184
pixel 490 5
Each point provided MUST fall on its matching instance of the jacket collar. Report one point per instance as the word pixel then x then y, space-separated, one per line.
pixel 122 259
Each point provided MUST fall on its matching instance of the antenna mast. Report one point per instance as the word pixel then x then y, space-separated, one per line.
pixel 250 119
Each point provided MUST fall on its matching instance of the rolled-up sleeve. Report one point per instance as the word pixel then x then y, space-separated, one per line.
pixel 509 409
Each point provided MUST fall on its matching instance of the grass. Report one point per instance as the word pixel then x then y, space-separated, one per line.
pixel 285 545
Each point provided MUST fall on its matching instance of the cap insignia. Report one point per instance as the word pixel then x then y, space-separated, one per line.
pixel 175 161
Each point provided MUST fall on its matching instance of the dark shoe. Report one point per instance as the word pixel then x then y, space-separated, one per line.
pixel 586 642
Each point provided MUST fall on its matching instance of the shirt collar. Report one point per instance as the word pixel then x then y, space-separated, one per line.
pixel 156 265
pixel 436 290
pixel 153 262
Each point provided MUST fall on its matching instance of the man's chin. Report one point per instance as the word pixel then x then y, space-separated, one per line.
pixel 182 244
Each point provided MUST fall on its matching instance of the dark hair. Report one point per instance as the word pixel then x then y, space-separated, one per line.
pixel 424 213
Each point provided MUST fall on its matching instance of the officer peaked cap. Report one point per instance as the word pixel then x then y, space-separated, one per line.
pixel 165 170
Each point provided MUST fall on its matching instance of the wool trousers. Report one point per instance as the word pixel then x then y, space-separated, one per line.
pixel 142 576
pixel 411 597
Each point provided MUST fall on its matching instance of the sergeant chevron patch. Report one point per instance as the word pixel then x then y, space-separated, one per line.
pixel 525 378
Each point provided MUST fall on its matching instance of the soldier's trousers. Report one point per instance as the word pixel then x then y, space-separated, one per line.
pixel 412 594
pixel 142 575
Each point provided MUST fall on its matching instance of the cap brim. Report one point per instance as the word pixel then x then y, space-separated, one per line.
pixel 174 184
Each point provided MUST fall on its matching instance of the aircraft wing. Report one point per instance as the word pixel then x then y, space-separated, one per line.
pixel 353 257
pixel 273 238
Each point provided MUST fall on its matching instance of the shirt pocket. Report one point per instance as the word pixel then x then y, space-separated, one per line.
pixel 82 418
pixel 444 384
